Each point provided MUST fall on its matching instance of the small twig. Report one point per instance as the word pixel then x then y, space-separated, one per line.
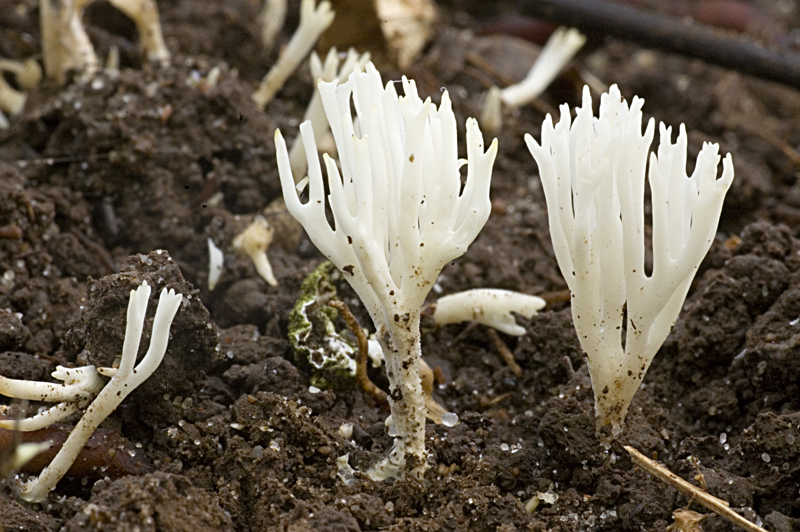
pixel 463 334
pixel 363 348
pixel 486 402
pixel 669 34
pixel 714 504
pixel 485 65
pixel 772 138
pixel 505 352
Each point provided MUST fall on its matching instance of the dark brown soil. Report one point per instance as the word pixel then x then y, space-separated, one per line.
pixel 98 177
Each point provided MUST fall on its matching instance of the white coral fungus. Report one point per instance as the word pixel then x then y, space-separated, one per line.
pixel 593 175
pixel 83 385
pixel 313 21
pixel 401 212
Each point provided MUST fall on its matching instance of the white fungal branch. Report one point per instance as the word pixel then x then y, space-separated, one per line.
pixel 488 306
pixel 144 14
pixel 80 386
pixel 216 264
pixel 562 45
pixel 66 45
pixel 84 384
pixel 273 15
pixel 593 175
pixel 315 113
pixel 400 215
pixel 313 21
pixel 27 75
pixel 254 242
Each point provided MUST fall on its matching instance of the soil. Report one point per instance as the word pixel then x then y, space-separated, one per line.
pixel 108 182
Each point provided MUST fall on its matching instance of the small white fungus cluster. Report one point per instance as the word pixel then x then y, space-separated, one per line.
pixel 84 386
pixel 401 213
pixel 593 174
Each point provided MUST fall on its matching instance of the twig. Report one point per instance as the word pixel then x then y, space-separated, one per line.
pixel 669 34
pixel 363 348
pixel 772 138
pixel 714 504
pixel 505 352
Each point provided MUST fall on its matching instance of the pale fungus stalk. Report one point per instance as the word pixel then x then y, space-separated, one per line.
pixel 254 242
pixel 401 213
pixel 315 113
pixel 593 175
pixel 24 453
pixel 492 113
pixel 66 45
pixel 84 384
pixel 215 264
pixel 433 410
pixel 112 62
pixel 11 101
pixel 557 52
pixel 273 17
pixel 144 14
pixel 313 21
pixel 28 73
pixel 488 306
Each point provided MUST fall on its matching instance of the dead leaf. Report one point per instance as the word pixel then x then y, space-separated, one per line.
pixel 407 25
pixel 686 521
pixel 391 30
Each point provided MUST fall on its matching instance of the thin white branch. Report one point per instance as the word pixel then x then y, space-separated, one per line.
pixel 66 45
pixel 488 306
pixel 273 17
pixel 315 113
pixel 144 14
pixel 313 21
pixel 254 242
pixel 79 383
pixel 44 419
pixel 121 385
pixel 557 52
pixel 216 264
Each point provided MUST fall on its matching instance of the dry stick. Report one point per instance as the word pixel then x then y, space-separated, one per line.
pixel 669 34
pixel 363 348
pixel 714 504
pixel 505 352
pixel 772 138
